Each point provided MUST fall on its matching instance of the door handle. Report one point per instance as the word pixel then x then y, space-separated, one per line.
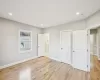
pixel 73 51
pixel 61 48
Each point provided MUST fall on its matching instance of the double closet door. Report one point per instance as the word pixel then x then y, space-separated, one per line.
pixel 74 48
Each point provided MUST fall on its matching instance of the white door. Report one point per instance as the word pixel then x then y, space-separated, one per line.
pixel 41 44
pixel 80 49
pixel 65 55
pixel 46 44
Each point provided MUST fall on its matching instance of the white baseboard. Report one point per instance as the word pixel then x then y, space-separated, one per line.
pixel 54 58
pixel 11 64
pixel 95 54
pixel 88 70
pixel 98 58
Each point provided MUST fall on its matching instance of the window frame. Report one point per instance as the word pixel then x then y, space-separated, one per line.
pixel 25 51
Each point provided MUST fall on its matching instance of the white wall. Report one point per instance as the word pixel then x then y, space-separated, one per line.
pixel 9 51
pixel 94 20
pixel 54 40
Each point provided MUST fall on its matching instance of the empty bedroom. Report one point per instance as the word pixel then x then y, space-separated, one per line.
pixel 49 39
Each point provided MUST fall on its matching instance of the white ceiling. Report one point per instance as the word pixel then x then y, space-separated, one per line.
pixel 47 12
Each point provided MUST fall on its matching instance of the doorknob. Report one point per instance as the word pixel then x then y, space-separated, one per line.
pixel 61 48
pixel 73 51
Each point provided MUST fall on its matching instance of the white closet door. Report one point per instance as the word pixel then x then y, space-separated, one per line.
pixel 65 55
pixel 80 49
pixel 41 44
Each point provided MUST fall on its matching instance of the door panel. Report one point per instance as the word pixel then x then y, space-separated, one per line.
pixel 80 49
pixel 66 47
pixel 41 44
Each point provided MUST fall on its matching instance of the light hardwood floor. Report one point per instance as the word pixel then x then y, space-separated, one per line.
pixel 42 68
pixel 95 68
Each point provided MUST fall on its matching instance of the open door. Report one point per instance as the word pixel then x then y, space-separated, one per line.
pixel 80 50
pixel 41 44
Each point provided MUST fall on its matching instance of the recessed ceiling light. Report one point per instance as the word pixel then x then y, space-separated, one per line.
pixel 77 13
pixel 10 14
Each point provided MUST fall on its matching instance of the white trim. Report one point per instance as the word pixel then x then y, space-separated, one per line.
pixel 67 63
pixel 89 28
pixel 94 27
pixel 88 47
pixel 54 58
pixel 98 58
pixel 95 55
pixel 14 63
pixel 97 43
pixel 80 69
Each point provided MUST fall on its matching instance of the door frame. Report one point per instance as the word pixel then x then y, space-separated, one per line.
pixel 71 42
pixel 88 29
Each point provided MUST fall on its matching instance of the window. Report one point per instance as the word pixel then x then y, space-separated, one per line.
pixel 25 41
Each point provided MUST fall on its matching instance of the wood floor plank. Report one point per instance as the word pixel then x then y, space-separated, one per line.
pixel 95 68
pixel 42 68
pixel 61 73
pixel 41 72
pixel 49 72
